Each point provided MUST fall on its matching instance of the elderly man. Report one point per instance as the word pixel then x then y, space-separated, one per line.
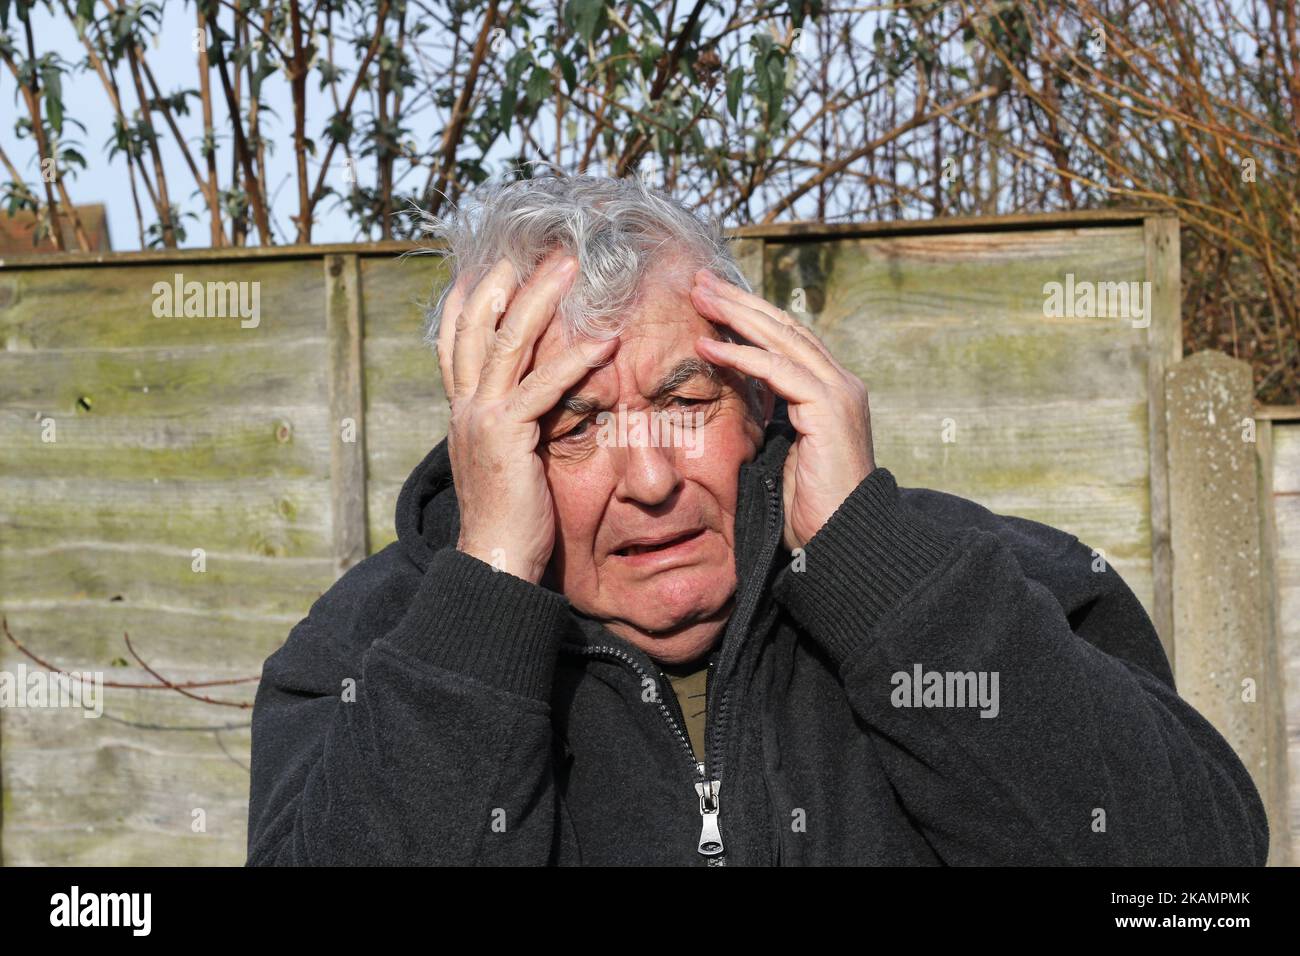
pixel 720 634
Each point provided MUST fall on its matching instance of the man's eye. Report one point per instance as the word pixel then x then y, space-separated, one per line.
pixel 578 431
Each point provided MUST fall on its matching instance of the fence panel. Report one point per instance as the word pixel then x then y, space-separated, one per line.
pixel 278 448
pixel 166 478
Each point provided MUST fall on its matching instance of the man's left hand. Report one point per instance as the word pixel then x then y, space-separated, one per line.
pixel 828 407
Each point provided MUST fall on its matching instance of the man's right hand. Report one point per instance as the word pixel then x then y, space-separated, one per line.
pixel 485 344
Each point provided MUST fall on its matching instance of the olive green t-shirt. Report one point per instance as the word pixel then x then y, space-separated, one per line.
pixel 688 681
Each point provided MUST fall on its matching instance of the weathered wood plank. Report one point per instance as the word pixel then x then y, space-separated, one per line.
pixel 121 789
pixel 398 291
pixel 176 383
pixel 290 441
pixel 958 278
pixel 243 255
pixel 113 307
pixel 975 337
pixel 402 373
pixel 98 845
pixel 268 517
pixel 783 230
pixel 1165 348
pixel 1280 852
pixel 405 404
pixel 86 633
pixel 1037 222
pixel 1286 458
pixel 1286 568
pixel 161 578
pixel 163 722
pixel 401 435
pixel 1280 413
pixel 347 418
pixel 383 507
pixel 139 768
pixel 748 254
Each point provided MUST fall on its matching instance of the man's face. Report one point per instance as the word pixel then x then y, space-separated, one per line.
pixel 645 515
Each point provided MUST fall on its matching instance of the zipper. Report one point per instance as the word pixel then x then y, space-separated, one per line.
pixel 710 835
pixel 716 704
pixel 707 786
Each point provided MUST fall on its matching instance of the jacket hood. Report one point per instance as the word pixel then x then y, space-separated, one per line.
pixel 428 517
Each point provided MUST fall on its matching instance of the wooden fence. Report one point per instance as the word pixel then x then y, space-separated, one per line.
pixel 196 482
pixel 1279 450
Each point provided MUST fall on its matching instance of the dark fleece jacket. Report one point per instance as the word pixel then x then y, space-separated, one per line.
pixel 431 710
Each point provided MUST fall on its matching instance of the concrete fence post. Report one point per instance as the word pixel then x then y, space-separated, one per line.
pixel 1227 663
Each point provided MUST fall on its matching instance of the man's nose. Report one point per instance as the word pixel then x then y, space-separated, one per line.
pixel 649 474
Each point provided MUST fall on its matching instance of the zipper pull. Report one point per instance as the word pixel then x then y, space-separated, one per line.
pixel 710 835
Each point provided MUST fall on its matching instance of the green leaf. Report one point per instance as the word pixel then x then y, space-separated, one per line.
pixel 509 98
pixel 515 68
pixel 539 85
pixel 569 70
pixel 774 62
pixel 735 84
pixel 649 56
pixel 53 84
pixel 587 15
pixel 650 15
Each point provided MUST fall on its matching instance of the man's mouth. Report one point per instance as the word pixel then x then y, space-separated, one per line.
pixel 658 544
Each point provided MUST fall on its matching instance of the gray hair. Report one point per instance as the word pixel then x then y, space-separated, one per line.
pixel 620 230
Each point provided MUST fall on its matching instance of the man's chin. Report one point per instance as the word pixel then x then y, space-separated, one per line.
pixel 676 619
pixel 678 647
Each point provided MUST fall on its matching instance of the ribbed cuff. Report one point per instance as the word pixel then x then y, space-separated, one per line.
pixel 483 623
pixel 863 562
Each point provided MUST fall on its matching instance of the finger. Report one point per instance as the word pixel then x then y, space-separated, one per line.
pixel 762 328
pixel 451 308
pixel 530 313
pixel 477 323
pixel 789 379
pixel 729 290
pixel 545 386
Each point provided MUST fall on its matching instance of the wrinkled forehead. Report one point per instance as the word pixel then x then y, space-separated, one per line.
pixel 659 331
